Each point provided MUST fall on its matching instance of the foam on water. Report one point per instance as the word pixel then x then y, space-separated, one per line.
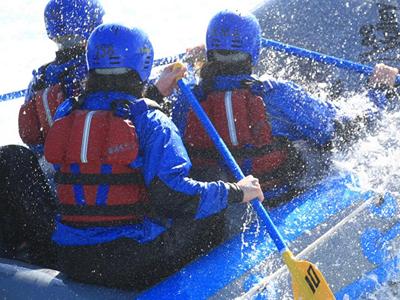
pixel 375 161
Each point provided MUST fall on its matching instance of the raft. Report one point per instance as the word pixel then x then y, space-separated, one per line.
pixel 352 236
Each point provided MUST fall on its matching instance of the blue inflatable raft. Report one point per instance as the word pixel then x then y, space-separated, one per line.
pixel 353 237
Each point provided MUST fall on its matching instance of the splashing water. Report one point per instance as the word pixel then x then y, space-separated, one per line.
pixel 374 159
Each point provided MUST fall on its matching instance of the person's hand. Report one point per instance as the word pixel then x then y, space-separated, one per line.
pixel 383 75
pixel 251 189
pixel 166 82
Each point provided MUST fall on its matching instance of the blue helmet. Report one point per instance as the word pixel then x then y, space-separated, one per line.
pixel 234 31
pixel 72 18
pixel 115 46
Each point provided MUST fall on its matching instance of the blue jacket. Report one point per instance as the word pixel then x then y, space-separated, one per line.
pixel 70 72
pixel 161 155
pixel 294 113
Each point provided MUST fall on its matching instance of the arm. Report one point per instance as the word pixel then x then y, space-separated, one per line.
pixel 28 121
pixel 297 115
pixel 165 84
pixel 383 91
pixel 165 160
pixel 382 94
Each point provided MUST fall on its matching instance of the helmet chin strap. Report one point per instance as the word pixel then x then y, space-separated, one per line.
pixel 112 71
pixel 231 57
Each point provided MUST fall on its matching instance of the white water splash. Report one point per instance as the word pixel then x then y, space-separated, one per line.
pixel 375 159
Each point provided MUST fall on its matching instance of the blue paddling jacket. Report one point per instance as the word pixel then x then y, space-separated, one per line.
pixel 161 157
pixel 290 114
pixel 50 86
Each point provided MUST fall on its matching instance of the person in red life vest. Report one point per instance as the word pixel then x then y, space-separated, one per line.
pixel 258 120
pixel 130 213
pixel 69 24
pixel 26 182
pixel 28 194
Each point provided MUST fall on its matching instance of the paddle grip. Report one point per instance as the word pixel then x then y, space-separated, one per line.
pixel 230 161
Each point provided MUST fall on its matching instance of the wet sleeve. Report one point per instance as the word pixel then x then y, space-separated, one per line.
pixel 28 121
pixel 309 117
pixel 166 158
pixel 180 110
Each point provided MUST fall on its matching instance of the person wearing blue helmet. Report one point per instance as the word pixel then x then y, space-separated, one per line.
pixel 130 213
pixel 237 104
pixel 27 184
pixel 258 120
pixel 69 24
pixel 28 197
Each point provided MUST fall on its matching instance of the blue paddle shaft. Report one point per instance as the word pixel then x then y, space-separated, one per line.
pixel 296 51
pixel 318 57
pixel 157 63
pixel 230 161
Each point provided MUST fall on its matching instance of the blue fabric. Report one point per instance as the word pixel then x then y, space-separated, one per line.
pixel 162 155
pixel 64 109
pixel 51 74
pixel 165 157
pixel 70 236
pixel 77 71
pixel 293 113
pixel 296 115
pixel 38 149
pixel 78 188
pixel 103 189
pixel 378 98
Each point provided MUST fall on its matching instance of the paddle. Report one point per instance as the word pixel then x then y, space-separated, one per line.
pixel 157 62
pixel 315 56
pixel 308 283
pixel 265 43
pixel 319 57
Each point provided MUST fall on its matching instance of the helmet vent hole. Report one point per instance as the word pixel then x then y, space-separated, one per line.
pixel 236 43
pixel 216 43
pixel 115 60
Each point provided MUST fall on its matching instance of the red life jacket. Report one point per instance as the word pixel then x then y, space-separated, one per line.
pixel 36 115
pixel 240 119
pixel 96 186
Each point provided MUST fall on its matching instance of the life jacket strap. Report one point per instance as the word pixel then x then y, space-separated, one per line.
pixel 212 153
pixel 98 179
pixel 104 210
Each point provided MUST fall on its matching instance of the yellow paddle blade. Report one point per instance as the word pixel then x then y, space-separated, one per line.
pixel 307 281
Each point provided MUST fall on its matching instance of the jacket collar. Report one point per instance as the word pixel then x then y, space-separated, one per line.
pixel 105 100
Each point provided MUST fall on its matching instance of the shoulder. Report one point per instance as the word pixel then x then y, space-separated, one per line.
pixel 271 83
pixel 65 108
pixel 38 81
pixel 39 77
pixel 148 111
pixel 283 88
